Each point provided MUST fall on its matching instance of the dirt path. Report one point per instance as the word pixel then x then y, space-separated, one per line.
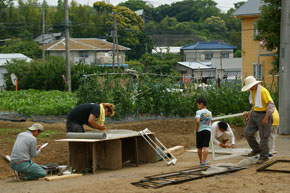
pixel 171 132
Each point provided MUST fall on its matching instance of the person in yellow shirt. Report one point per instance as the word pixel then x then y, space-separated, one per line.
pixel 259 118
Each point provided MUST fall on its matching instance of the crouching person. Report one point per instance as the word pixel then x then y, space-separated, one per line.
pixel 24 149
pixel 221 133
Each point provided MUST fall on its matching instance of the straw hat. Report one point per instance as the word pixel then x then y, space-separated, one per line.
pixel 110 108
pixel 250 81
pixel 35 127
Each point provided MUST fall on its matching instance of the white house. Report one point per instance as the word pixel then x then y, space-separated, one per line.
pixel 4 58
pixel 88 50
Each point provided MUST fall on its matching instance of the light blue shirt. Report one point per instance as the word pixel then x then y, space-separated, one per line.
pixel 205 117
pixel 25 147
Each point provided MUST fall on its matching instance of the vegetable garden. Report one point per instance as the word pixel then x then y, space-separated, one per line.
pixel 143 96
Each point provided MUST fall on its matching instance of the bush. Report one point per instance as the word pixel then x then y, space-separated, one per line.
pixel 159 96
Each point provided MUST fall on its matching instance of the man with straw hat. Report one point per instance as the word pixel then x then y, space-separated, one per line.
pixel 91 114
pixel 259 118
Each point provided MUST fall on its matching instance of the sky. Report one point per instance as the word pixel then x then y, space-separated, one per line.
pixel 224 5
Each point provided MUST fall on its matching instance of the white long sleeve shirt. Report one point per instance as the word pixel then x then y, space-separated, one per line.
pixel 216 133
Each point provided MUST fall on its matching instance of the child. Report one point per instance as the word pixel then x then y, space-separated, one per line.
pixel 203 117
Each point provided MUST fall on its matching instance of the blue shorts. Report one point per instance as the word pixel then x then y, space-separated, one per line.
pixel 202 139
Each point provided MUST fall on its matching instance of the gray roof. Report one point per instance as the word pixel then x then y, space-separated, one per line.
pixel 194 65
pixel 251 7
pixel 9 57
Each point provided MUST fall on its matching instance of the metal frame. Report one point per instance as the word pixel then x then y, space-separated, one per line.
pixel 264 168
pixel 158 147
pixel 172 178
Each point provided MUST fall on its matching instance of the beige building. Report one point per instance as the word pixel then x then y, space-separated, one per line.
pixel 87 50
pixel 256 60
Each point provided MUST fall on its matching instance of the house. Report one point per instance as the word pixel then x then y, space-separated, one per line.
pixel 4 58
pixel 256 60
pixel 195 70
pixel 91 51
pixel 205 51
pixel 48 38
pixel 227 68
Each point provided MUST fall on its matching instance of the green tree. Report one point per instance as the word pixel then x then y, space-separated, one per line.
pixel 28 48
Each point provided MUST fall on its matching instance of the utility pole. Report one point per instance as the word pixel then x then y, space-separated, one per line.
pixel 114 41
pixel 284 71
pixel 43 32
pixel 67 51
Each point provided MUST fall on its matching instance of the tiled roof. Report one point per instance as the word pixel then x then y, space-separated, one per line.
pixel 83 44
pixel 209 46
pixel 251 7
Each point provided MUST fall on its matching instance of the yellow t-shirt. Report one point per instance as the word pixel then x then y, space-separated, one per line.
pixel 276 117
pixel 265 96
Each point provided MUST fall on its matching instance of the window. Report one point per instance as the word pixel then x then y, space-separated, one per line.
pixel 255 31
pixel 225 55
pixel 208 56
pixel 84 54
pixel 257 69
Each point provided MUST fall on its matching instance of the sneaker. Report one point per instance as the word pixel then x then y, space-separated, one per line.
pixel 203 165
pixel 206 161
pixel 252 154
pixel 260 161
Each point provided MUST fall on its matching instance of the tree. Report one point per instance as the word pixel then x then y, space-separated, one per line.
pixel 28 48
pixel 130 28
pixel 268 24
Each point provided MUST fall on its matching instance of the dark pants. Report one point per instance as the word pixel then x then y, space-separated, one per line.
pixel 74 127
pixel 255 124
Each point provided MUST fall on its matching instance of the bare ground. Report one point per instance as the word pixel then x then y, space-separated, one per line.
pixel 171 132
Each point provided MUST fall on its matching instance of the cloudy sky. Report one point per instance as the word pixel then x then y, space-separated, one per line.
pixel 222 4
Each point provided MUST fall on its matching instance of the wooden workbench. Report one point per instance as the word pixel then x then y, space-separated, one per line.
pixel 109 153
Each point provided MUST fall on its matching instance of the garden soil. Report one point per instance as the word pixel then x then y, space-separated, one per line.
pixel 170 132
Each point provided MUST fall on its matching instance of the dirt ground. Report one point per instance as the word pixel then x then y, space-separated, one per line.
pixel 170 132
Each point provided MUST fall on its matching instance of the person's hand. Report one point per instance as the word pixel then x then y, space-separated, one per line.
pixel 38 147
pixel 265 120
pixel 223 145
pixel 233 146
pixel 245 114
pixel 102 127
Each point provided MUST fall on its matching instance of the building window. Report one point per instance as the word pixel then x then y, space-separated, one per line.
pixel 84 54
pixel 257 69
pixel 208 56
pixel 225 55
pixel 255 31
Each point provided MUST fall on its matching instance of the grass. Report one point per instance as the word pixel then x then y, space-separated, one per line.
pixel 48 133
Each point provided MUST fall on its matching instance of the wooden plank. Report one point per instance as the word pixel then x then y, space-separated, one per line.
pixel 53 178
pixel 146 153
pixel 176 150
pixel 80 156
pixel 94 157
pixel 109 154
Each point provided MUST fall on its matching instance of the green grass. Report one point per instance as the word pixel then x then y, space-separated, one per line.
pixel 48 133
